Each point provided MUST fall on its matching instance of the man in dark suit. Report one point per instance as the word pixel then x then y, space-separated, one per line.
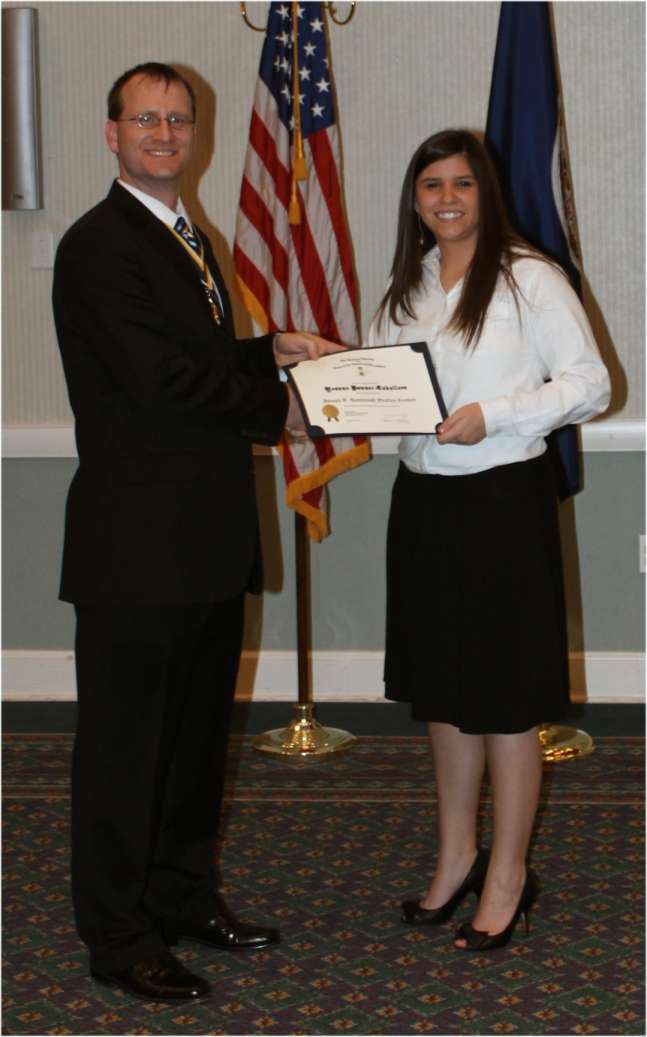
pixel 161 544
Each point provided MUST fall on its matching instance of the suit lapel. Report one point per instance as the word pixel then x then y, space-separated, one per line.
pixel 169 251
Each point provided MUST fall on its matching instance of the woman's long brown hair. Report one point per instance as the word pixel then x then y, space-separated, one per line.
pixel 495 245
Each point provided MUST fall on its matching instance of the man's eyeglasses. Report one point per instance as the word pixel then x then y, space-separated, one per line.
pixel 151 120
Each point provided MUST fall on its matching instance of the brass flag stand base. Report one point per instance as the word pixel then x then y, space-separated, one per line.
pixel 563 743
pixel 304 737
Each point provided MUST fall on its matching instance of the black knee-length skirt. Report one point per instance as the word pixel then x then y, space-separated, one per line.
pixel 476 626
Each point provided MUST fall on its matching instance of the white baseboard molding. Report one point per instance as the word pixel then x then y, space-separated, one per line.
pixel 610 436
pixel 596 677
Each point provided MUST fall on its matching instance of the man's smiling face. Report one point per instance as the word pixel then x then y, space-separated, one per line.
pixel 152 159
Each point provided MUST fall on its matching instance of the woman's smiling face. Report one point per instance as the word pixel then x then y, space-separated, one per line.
pixel 447 200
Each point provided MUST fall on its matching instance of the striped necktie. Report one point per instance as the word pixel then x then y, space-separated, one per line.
pixel 206 280
pixel 183 228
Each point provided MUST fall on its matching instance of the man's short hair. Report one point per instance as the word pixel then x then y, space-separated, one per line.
pixel 154 70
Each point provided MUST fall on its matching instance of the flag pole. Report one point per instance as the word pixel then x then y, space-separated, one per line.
pixel 559 741
pixel 514 82
pixel 305 736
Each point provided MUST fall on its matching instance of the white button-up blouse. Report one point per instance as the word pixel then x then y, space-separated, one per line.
pixel 507 373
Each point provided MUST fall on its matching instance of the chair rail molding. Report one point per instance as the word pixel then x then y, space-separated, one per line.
pixel 56 441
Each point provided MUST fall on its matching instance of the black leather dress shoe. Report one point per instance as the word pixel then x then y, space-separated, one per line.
pixel 219 928
pixel 162 978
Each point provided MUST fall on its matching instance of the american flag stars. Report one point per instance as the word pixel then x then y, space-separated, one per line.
pixel 283 12
pixel 277 68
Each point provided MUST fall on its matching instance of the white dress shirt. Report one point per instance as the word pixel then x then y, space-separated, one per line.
pixel 506 373
pixel 159 209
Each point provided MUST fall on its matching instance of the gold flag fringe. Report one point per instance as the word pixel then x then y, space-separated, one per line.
pixel 316 519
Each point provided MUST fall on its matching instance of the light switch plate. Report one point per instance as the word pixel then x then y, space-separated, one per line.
pixel 42 250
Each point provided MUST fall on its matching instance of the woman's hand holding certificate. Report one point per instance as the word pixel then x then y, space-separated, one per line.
pixel 465 426
pixel 385 390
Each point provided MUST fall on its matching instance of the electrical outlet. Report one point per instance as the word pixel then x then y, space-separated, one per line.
pixel 642 553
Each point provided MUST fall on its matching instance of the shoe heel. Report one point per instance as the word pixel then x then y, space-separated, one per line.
pixel 482 941
pixel 531 890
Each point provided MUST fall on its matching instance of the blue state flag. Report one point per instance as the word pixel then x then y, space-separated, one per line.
pixel 525 133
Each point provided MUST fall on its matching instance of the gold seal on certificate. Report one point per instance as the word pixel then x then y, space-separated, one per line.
pixel 384 390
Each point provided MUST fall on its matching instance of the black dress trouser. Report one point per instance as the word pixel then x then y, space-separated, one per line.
pixel 155 692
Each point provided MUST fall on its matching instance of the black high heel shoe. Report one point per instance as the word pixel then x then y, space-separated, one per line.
pixel 477 940
pixel 414 914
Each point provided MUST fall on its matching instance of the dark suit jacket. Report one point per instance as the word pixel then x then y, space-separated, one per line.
pixel 162 507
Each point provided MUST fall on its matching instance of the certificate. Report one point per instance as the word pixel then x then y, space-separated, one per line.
pixel 384 390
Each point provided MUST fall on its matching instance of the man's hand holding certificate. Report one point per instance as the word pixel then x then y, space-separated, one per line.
pixel 385 390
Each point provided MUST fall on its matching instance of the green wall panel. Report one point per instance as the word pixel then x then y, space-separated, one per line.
pixel 600 531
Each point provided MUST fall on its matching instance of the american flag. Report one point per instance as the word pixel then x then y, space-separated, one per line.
pixel 298 275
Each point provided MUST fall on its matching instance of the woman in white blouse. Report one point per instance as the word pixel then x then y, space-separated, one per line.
pixel 476 631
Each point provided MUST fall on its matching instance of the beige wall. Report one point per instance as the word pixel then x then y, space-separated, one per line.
pixel 402 71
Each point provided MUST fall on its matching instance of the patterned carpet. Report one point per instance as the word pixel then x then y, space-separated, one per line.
pixel 327 849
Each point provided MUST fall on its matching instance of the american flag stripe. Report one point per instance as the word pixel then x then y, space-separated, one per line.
pixel 315 284
pixel 326 160
pixel 250 243
pixel 336 299
pixel 261 219
pixel 322 205
pixel 263 140
pixel 256 176
pixel 256 294
pixel 298 276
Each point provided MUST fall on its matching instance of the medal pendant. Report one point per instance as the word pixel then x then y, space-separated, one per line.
pixel 216 315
